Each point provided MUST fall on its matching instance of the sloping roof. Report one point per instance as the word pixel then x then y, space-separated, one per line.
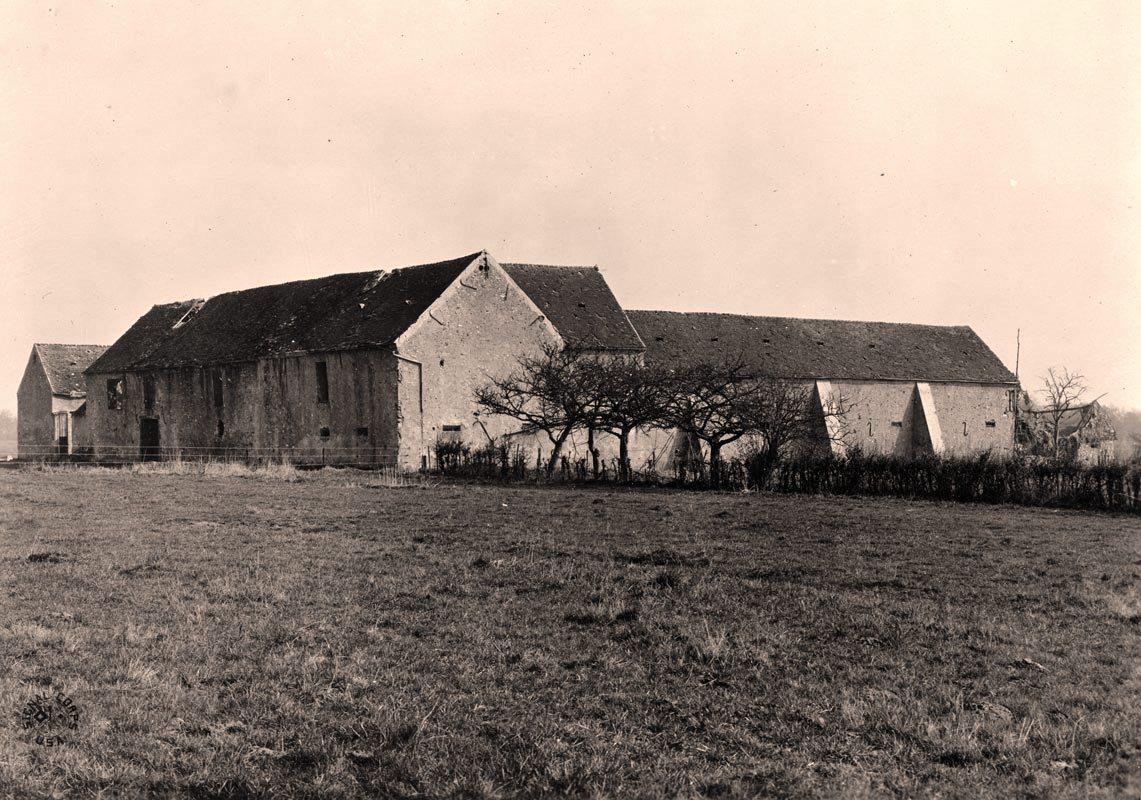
pixel 1077 418
pixel 64 365
pixel 337 312
pixel 820 348
pixel 579 304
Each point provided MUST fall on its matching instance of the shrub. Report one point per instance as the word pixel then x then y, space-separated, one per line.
pixel 981 478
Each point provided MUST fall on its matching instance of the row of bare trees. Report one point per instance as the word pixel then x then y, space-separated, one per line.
pixel 561 391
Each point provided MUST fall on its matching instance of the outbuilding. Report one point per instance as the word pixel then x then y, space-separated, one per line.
pixel 51 402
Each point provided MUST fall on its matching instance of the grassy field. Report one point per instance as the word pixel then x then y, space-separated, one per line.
pixel 322 634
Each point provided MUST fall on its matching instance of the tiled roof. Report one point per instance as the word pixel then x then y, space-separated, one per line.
pixel 820 348
pixel 337 312
pixel 64 364
pixel 579 304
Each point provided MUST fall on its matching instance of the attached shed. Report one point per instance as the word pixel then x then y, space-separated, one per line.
pixel 51 402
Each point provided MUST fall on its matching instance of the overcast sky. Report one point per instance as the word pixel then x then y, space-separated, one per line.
pixel 974 164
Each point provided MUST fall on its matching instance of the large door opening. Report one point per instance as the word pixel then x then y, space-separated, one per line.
pixel 149 444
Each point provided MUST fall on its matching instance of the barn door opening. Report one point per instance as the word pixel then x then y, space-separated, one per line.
pixel 61 433
pixel 149 444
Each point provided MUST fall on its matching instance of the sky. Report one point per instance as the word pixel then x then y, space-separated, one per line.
pixel 962 163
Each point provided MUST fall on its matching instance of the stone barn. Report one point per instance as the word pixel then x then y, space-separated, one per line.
pixel 913 389
pixel 378 367
pixel 51 402
pixel 370 367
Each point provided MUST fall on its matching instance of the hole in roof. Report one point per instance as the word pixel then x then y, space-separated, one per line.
pixel 189 315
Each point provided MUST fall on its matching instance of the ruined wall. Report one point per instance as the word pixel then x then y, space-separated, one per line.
pixel 269 409
pixel 35 431
pixel 476 329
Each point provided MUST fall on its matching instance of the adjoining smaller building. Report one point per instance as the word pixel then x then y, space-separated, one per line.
pixel 1085 433
pixel 51 402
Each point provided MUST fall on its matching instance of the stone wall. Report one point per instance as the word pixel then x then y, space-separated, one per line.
pixel 269 409
pixel 476 330
pixel 35 429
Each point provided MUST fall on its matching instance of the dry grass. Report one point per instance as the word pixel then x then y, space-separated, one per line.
pixel 328 634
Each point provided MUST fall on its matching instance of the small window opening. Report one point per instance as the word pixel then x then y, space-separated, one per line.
pixel 872 345
pixel 453 428
pixel 221 429
pixel 323 433
pixel 217 390
pixel 322 382
pixel 990 423
pixel 115 393
pixel 441 362
pixel 362 433
pixel 820 343
pixel 897 423
pixel 659 338
pixel 149 392
pixel 1011 400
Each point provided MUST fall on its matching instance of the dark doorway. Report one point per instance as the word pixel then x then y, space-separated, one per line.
pixel 149 439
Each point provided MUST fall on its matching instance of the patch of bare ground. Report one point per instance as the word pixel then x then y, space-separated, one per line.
pixel 335 636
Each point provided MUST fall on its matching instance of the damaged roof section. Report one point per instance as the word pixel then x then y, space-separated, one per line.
pixel 786 347
pixel 337 312
pixel 64 365
pixel 579 304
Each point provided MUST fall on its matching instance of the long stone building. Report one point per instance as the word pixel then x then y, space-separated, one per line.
pixel 364 367
pixel 380 366
pixel 911 388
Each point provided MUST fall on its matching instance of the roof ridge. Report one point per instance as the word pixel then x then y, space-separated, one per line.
pixel 381 272
pixel 797 319
pixel 66 344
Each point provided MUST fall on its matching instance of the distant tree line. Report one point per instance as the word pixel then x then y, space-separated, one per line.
pixel 7 425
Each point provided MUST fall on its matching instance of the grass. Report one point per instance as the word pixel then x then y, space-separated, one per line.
pixel 336 633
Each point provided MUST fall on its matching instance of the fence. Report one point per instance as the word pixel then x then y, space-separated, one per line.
pixel 979 479
pixel 304 457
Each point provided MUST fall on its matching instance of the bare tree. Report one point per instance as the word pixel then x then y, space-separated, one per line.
pixel 717 403
pixel 554 392
pixel 787 418
pixel 629 395
pixel 1063 391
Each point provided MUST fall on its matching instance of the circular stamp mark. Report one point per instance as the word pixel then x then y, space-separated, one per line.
pixel 48 717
